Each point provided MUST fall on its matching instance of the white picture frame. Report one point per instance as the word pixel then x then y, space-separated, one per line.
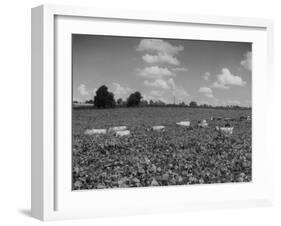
pixel 52 197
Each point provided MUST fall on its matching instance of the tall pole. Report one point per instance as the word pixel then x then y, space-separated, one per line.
pixel 174 100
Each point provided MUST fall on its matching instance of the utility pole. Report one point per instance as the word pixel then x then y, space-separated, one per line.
pixel 174 100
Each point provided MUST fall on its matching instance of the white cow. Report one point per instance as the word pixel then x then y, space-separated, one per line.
pixel 123 133
pixel 117 128
pixel 225 130
pixel 203 124
pixel 183 123
pixel 95 131
pixel 158 128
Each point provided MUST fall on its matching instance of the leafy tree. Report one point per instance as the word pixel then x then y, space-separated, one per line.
pixel 89 102
pixel 134 99
pixel 193 104
pixel 144 102
pixel 103 98
pixel 119 101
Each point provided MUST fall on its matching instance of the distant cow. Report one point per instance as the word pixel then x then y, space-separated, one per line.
pixel 95 131
pixel 202 124
pixel 225 130
pixel 117 128
pixel 123 133
pixel 158 128
pixel 183 123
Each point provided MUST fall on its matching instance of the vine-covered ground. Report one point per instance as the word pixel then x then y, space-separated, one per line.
pixel 176 156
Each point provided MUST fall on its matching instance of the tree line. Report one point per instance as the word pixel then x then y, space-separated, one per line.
pixel 105 99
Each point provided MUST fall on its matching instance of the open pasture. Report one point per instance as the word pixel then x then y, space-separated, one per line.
pixel 176 156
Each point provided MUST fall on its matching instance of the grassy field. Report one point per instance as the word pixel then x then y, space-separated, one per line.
pixel 177 156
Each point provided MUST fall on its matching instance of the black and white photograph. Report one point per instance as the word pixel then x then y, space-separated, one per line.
pixel 160 112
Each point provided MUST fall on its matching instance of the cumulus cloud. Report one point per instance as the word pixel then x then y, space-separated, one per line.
pixel 158 83
pixel 161 83
pixel 220 86
pixel 166 87
pixel 85 93
pixel 159 51
pixel 207 76
pixel 180 69
pixel 160 58
pixel 226 78
pixel 180 94
pixel 207 91
pixel 171 83
pixel 247 60
pixel 155 72
pixel 120 91
pixel 154 98
pixel 83 90
pixel 158 45
pixel 156 93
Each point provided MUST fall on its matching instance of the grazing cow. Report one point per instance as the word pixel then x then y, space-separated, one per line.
pixel 123 133
pixel 95 131
pixel 117 128
pixel 158 128
pixel 183 123
pixel 225 130
pixel 202 124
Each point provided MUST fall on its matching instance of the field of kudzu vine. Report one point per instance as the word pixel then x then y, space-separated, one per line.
pixel 176 156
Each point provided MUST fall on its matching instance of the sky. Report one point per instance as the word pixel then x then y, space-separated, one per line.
pixel 208 72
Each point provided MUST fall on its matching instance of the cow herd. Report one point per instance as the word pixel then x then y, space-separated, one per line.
pixel 121 131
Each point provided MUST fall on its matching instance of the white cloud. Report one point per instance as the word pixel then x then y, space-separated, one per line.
pixel 180 69
pixel 167 87
pixel 158 83
pixel 180 94
pixel 155 72
pixel 159 46
pixel 171 83
pixel 154 98
pixel 159 51
pixel 247 60
pixel 120 91
pixel 85 93
pixel 219 85
pixel 207 75
pixel 207 91
pixel 160 58
pixel 156 52
pixel 83 90
pixel 161 83
pixel 157 93
pixel 226 78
